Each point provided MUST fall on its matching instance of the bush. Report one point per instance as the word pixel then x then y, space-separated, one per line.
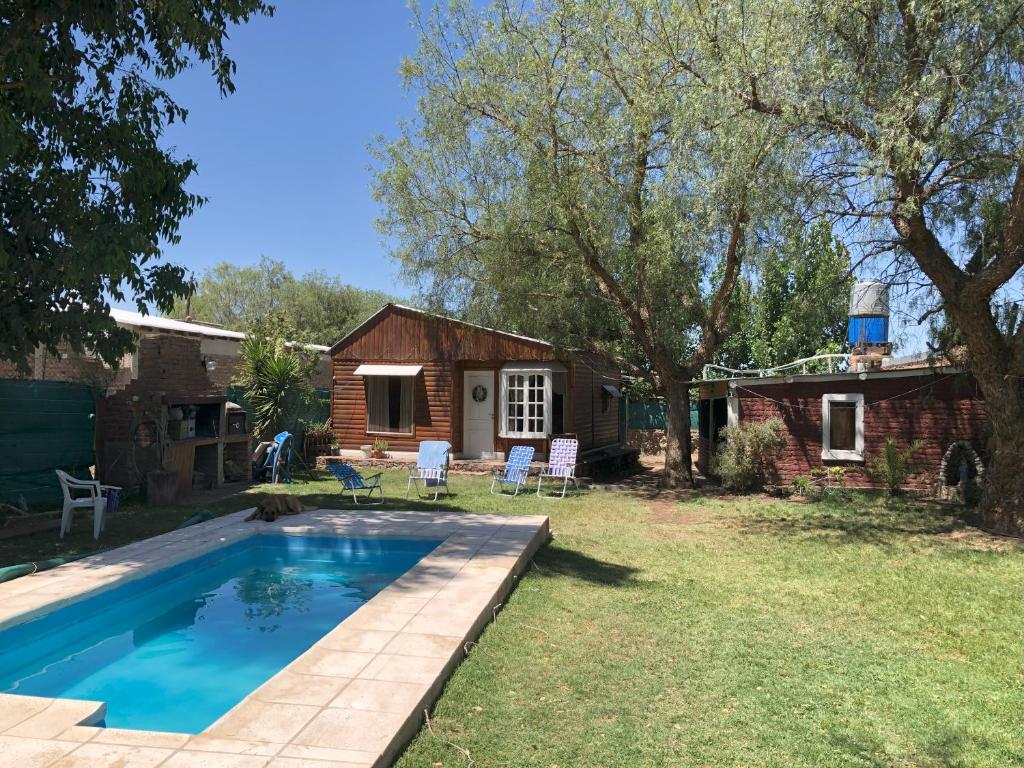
pixel 894 466
pixel 748 455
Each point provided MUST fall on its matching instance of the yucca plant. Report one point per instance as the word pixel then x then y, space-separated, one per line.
pixel 275 380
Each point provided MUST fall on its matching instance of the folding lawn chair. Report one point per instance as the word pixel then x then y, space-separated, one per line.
pixel 431 468
pixel 561 465
pixel 516 470
pixel 352 481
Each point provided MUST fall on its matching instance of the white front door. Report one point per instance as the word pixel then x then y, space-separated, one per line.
pixel 478 398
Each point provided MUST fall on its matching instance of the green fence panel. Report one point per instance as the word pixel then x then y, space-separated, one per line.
pixel 650 414
pixel 44 426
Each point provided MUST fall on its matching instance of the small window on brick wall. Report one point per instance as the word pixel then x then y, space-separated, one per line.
pixel 842 427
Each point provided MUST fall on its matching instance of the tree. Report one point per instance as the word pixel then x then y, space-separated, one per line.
pixel 276 381
pixel 796 304
pixel 316 308
pixel 563 164
pixel 87 194
pixel 914 113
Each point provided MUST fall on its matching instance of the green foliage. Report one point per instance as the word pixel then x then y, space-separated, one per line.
pixel 87 192
pixel 380 446
pixel 795 304
pixel 567 178
pixel 316 308
pixel 894 465
pixel 746 459
pixel 803 486
pixel 276 380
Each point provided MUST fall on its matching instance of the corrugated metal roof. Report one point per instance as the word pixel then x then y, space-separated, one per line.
pixel 153 322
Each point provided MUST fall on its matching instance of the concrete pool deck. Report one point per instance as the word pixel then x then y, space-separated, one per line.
pixel 353 700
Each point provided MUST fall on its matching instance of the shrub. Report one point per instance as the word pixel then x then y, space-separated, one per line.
pixel 894 465
pixel 748 455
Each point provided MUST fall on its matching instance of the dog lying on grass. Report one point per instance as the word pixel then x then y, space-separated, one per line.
pixel 274 507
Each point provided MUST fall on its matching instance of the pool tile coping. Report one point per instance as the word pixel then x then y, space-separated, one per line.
pixel 353 700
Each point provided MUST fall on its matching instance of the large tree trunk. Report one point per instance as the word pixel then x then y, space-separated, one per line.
pixel 1002 501
pixel 678 471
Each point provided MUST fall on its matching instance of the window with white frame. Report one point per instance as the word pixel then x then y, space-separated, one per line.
pixel 842 427
pixel 526 395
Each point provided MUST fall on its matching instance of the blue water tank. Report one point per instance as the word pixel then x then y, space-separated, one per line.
pixel 870 331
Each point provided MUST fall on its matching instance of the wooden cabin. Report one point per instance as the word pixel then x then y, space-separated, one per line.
pixel 406 375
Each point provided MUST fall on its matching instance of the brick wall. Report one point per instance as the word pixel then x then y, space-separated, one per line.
pixel 945 410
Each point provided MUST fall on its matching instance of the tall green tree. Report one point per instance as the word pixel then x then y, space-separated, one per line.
pixel 316 308
pixel 795 302
pixel 87 194
pixel 914 115
pixel 562 162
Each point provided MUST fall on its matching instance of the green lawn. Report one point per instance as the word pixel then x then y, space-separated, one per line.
pixel 728 632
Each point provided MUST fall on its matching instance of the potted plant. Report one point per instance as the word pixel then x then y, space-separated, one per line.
pixel 379 449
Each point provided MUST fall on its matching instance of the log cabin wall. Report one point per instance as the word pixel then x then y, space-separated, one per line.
pixel 446 349
pixel 595 410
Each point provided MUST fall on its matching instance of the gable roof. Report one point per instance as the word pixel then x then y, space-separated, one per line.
pixel 390 307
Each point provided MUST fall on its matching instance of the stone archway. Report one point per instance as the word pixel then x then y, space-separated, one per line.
pixel 948 481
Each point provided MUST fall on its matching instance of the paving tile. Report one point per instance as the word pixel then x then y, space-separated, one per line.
pixel 348 638
pixel 32 753
pixel 440 624
pixel 60 715
pixel 214 760
pixel 320 661
pixel 381 619
pixel 381 696
pixel 298 762
pixel 287 687
pixel 16 709
pixel 346 757
pixel 403 669
pixel 263 721
pixel 107 755
pixel 432 646
pixel 128 737
pixel 204 743
pixel 362 730
pixel 79 733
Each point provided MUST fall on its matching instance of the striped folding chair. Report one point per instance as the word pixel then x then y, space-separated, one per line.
pixel 352 481
pixel 431 468
pixel 561 465
pixel 516 470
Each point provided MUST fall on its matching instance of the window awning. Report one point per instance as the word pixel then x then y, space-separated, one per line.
pixel 611 389
pixel 388 370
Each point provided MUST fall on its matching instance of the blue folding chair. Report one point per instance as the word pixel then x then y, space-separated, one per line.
pixel 352 481
pixel 516 470
pixel 276 464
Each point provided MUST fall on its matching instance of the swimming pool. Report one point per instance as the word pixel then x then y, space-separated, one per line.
pixel 175 650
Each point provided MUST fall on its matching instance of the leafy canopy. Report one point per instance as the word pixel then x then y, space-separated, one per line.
pixel 316 308
pixel 795 302
pixel 566 177
pixel 87 194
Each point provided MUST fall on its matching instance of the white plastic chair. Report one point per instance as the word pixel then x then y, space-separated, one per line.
pixel 73 499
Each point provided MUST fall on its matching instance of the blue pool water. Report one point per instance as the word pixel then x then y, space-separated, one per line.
pixel 177 649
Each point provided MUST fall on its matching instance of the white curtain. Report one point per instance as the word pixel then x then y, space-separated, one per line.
pixel 380 404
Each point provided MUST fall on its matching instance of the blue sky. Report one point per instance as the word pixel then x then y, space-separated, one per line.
pixel 283 160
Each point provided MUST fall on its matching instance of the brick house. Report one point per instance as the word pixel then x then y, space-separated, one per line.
pixel 843 419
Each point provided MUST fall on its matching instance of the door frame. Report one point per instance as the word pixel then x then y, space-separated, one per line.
pixel 492 374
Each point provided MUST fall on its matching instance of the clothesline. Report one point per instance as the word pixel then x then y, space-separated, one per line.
pixel 872 404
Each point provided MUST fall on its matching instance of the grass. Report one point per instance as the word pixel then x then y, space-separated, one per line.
pixel 724 632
